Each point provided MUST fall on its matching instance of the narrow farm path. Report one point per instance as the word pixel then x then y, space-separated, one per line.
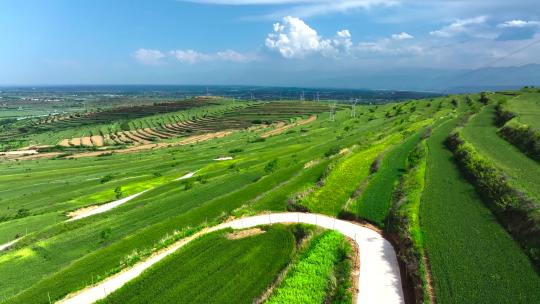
pixel 6 245
pixel 379 280
pixel 92 210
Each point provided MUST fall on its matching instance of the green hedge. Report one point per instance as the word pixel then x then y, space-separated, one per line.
pixel 519 214
pixel 522 136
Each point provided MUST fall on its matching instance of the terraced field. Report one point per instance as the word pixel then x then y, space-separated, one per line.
pixel 527 108
pixel 269 157
pixel 469 252
pixel 522 170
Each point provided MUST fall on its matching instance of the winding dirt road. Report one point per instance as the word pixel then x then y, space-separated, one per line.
pixel 379 280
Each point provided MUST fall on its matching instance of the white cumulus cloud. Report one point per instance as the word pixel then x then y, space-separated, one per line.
pixel 459 26
pixel 189 56
pixel 518 24
pixel 147 56
pixel 293 38
pixel 402 36
pixel 156 57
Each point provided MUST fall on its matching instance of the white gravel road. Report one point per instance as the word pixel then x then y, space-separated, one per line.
pixel 379 279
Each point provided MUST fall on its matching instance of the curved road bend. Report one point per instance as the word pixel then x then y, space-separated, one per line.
pixel 379 280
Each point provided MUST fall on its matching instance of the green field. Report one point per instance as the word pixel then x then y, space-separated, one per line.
pixel 527 108
pixel 472 258
pixel 375 200
pixel 213 269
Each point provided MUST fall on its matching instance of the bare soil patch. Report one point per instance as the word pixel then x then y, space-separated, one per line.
pixel 64 143
pixel 244 233
pixel 282 127
pixel 81 211
pixel 86 141
pixel 75 142
pixel 97 140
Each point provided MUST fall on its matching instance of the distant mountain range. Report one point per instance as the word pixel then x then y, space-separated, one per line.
pixel 443 81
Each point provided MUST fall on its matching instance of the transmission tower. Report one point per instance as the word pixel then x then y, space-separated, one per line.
pixel 354 102
pixel 332 111
pixel 302 96
pixel 318 97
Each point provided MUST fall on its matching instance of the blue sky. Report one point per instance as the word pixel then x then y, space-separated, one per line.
pixel 256 41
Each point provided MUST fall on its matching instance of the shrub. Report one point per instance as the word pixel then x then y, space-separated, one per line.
pixel 118 192
pixel 107 178
pixel 271 166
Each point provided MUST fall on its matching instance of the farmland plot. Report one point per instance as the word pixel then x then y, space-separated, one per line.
pixel 469 252
pixel 213 269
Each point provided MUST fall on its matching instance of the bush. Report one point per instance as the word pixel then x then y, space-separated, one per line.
pixel 271 166
pixel 118 192
pixel 502 114
pixel 106 178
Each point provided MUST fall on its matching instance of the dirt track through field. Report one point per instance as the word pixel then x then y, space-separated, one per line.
pixel 379 280
pixel 93 210
pixel 6 245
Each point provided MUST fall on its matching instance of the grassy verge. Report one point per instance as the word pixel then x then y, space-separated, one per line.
pixel 472 258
